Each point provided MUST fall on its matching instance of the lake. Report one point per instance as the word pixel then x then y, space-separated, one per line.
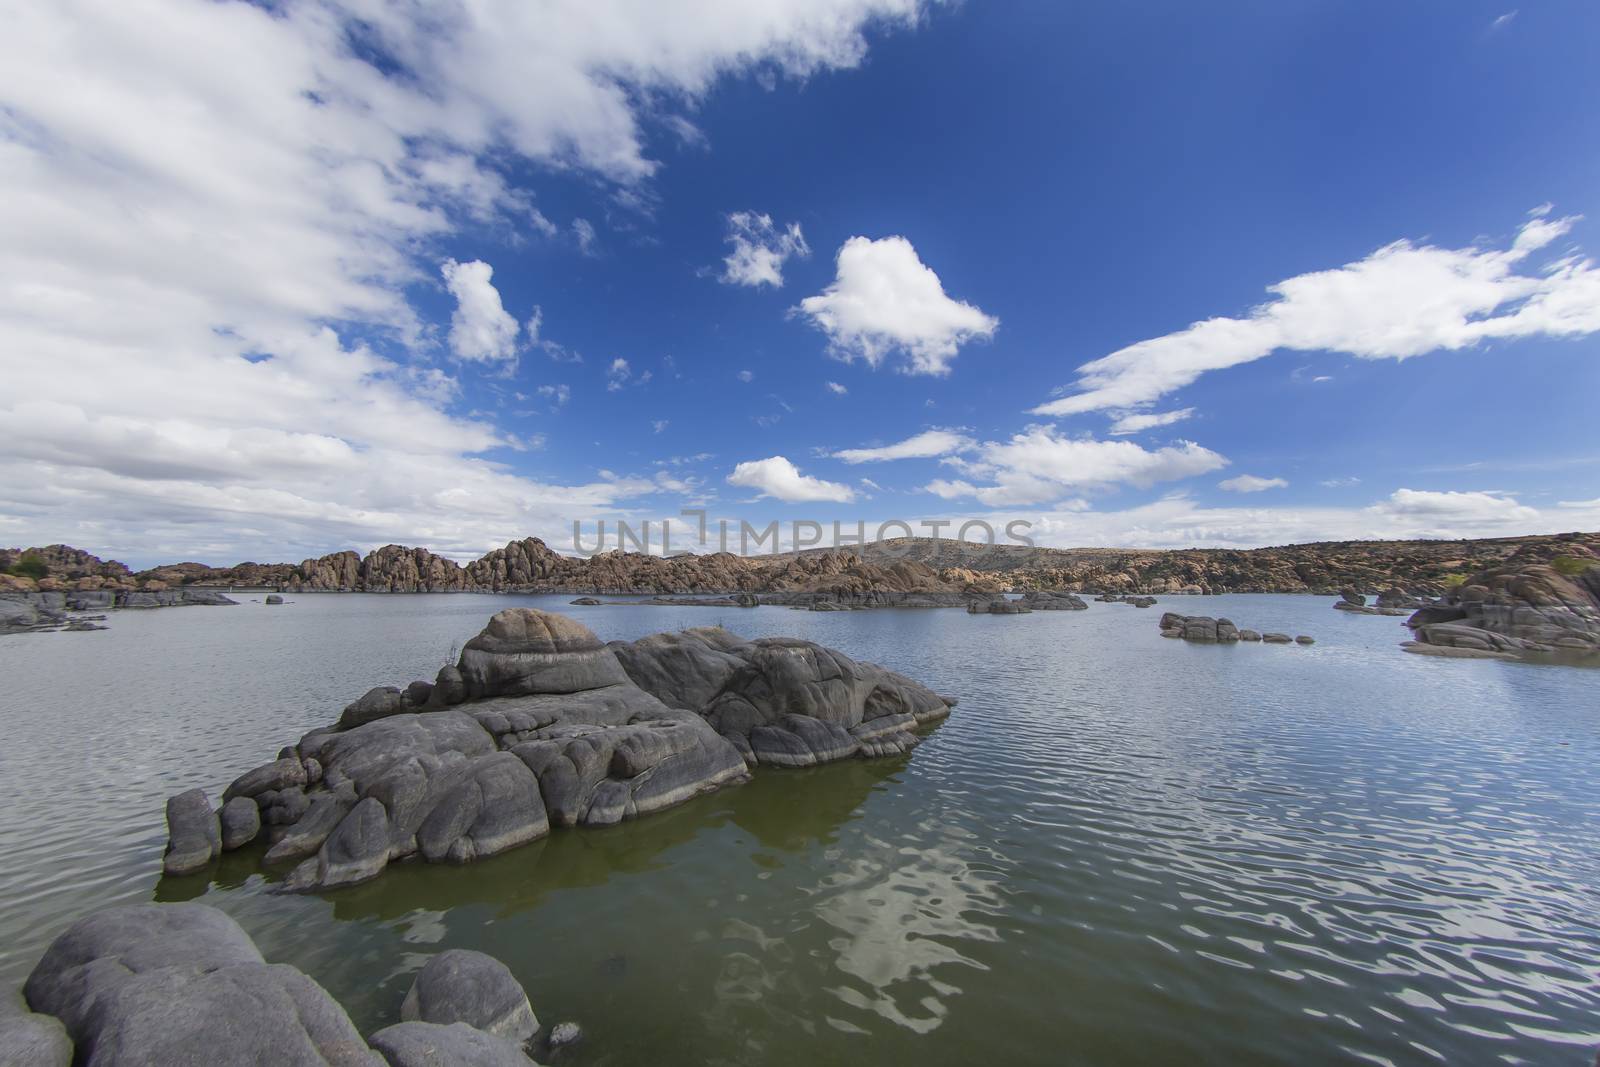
pixel 1120 849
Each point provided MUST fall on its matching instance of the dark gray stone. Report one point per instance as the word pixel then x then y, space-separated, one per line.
pixel 193 836
pixel 241 822
pixel 31 1040
pixel 417 1044
pixel 461 986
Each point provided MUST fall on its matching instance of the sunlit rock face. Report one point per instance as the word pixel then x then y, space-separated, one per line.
pixel 1535 604
pixel 540 724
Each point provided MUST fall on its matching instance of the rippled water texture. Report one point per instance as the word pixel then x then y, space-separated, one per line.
pixel 1119 850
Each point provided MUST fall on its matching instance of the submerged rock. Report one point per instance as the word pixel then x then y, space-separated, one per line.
pixel 415 1044
pixel 540 724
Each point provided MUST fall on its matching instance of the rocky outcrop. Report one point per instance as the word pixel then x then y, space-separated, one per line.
pixel 1527 608
pixel 540 724
pixel 184 984
pixel 998 606
pixel 1053 600
pixel 28 612
pixel 1202 629
pixel 1127 598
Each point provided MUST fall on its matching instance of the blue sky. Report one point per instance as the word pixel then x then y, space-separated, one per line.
pixel 268 292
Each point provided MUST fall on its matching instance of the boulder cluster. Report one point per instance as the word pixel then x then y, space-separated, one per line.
pixel 1527 608
pixel 1392 602
pixel 1125 598
pixel 540 724
pixel 1202 629
pixel 75 610
pixel 1039 600
pixel 184 984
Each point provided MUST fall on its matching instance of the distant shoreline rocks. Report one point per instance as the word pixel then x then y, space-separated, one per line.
pixel 1205 630
pixel 36 612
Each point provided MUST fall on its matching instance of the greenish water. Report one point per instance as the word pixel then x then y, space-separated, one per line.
pixel 1119 850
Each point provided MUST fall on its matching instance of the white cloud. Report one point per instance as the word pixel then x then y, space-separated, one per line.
pixel 1456 510
pixel 617 374
pixel 583 233
pixel 191 184
pixel 884 300
pixel 659 425
pixel 835 388
pixel 1038 466
pixel 1403 300
pixel 559 393
pixel 760 249
pixel 1340 483
pixel 1503 21
pixel 924 445
pixel 480 328
pixel 1249 483
pixel 777 477
pixel 1135 422
pixel 746 376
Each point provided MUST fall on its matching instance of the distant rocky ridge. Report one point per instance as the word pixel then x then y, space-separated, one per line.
pixel 900 572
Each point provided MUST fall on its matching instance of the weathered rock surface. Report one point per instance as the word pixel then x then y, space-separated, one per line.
pixel 539 724
pixel 1053 600
pixel 415 1044
pixel 28 1039
pixel 182 984
pixel 1202 629
pixel 29 610
pixel 193 836
pixel 1527 608
pixel 461 986
pixel 998 606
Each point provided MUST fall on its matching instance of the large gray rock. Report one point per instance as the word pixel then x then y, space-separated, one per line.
pixel 1053 600
pixel 418 1044
pixel 183 984
pixel 1521 608
pixel 539 724
pixel 193 836
pixel 461 986
pixel 241 822
pixel 28 1039
pixel 524 651
pixel 780 700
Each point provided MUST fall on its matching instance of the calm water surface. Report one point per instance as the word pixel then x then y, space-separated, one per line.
pixel 1119 850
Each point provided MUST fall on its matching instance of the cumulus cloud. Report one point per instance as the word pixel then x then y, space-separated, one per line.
pixel 760 250
pixel 1403 300
pixel 1138 422
pixel 194 189
pixel 746 376
pixel 558 393
pixel 1249 483
pixel 777 477
pixel 1039 465
pixel 924 445
pixel 835 388
pixel 480 328
pixel 1456 510
pixel 618 374
pixel 885 300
